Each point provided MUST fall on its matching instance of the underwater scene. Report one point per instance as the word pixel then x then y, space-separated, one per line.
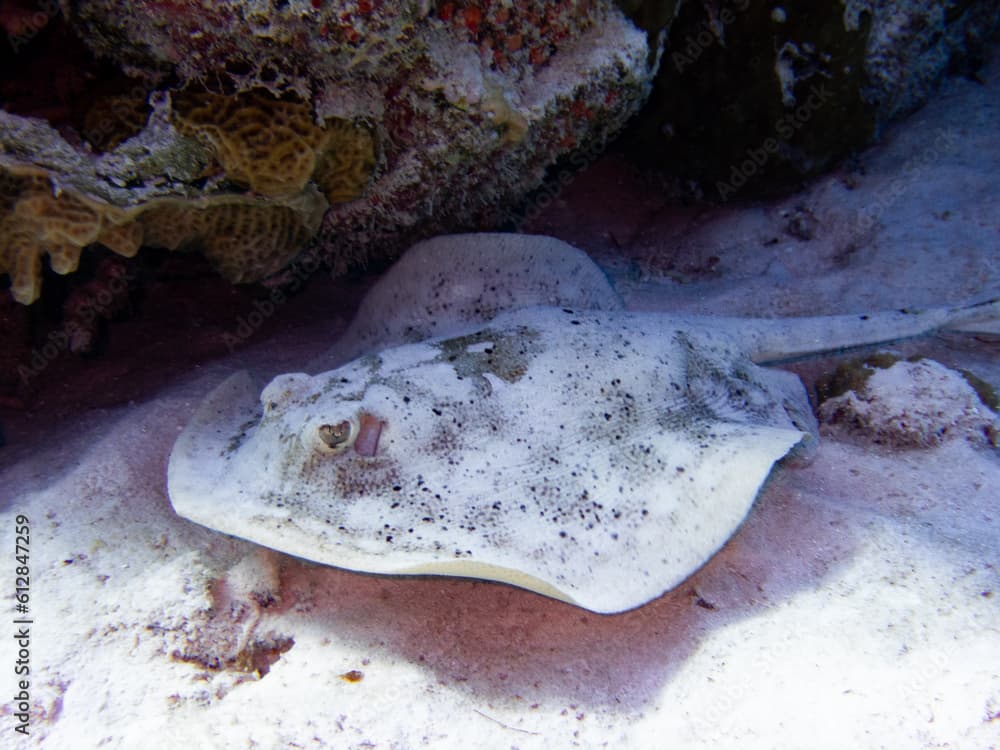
pixel 501 374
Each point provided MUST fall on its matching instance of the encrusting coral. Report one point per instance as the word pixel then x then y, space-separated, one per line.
pixel 236 125
pixel 245 237
pixel 37 219
pixel 274 146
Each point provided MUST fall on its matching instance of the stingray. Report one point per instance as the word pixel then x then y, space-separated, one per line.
pixel 495 413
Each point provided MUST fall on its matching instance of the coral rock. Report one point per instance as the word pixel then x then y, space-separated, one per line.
pixel 404 119
pixel 911 405
pixel 439 116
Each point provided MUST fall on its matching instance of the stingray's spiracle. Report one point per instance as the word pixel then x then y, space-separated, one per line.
pixel 369 432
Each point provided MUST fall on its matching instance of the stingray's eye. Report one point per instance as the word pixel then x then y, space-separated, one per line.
pixel 337 437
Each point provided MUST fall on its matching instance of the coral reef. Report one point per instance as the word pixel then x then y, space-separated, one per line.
pixel 909 404
pixel 410 118
pixel 245 237
pixel 421 118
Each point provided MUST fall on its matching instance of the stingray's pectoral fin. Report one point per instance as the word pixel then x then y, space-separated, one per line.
pixel 498 573
pixel 201 456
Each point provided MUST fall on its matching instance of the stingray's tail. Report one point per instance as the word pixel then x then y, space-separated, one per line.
pixel 773 340
pixel 983 317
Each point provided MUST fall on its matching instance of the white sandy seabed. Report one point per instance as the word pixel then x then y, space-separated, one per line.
pixel 858 606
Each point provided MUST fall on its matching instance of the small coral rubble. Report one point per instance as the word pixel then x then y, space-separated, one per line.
pixel 910 404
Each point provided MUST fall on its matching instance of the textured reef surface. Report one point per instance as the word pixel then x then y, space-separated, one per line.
pixel 255 131
pixel 235 127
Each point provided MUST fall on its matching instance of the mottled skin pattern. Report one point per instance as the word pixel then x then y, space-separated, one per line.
pixel 604 454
